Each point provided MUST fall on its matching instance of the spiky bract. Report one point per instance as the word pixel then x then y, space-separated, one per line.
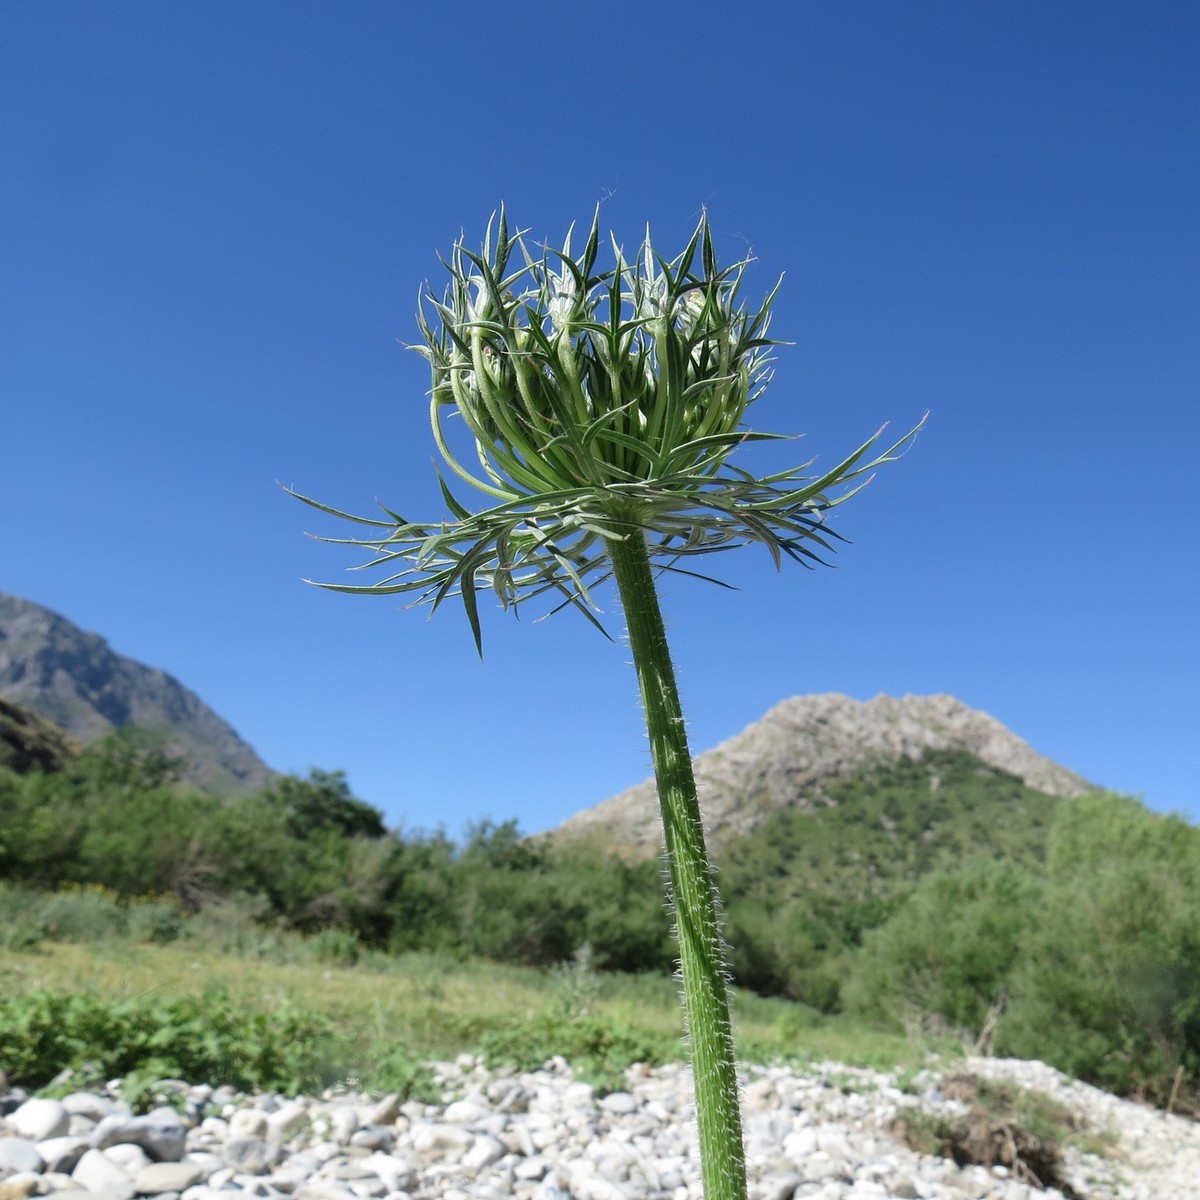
pixel 598 402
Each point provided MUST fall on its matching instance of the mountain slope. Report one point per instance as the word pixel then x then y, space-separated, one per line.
pixel 789 758
pixel 31 743
pixel 73 678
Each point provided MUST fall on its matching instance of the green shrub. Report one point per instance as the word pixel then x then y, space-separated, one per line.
pixel 335 946
pixel 23 935
pixel 197 1038
pixel 83 913
pixel 71 914
pixel 578 985
pixel 1110 985
pixel 1097 960
pixel 158 921
pixel 599 1050
pixel 399 1070
pixel 949 950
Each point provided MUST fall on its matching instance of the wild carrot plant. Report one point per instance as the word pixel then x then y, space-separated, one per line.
pixel 604 405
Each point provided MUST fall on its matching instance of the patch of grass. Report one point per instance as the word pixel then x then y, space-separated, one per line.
pixel 393 1012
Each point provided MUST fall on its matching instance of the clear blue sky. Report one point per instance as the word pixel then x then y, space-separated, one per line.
pixel 215 219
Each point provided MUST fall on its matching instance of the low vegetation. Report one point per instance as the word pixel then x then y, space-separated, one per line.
pixel 243 1004
pixel 934 903
pixel 47 1033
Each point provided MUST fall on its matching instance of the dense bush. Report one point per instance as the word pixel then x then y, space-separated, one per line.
pixel 1113 977
pixel 951 949
pixel 200 1038
pixel 306 855
pixel 1096 961
pixel 81 914
pixel 508 899
pixel 47 1034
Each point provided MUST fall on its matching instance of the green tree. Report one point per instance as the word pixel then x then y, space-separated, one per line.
pixel 1110 987
pixel 130 758
pixel 950 949
pixel 321 803
pixel 422 894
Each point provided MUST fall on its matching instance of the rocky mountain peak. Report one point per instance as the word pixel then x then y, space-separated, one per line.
pixel 785 758
pixel 75 679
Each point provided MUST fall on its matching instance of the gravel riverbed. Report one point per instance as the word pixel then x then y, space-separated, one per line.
pixel 813 1133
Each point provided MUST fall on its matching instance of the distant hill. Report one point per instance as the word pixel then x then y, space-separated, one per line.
pixel 74 679
pixel 795 755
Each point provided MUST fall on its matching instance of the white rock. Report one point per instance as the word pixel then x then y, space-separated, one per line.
pixel 484 1151
pixel 622 1103
pixel 249 1123
pixel 167 1177
pixel 398 1173
pixel 19 1154
pixel 385 1111
pixel 779 1187
pixel 868 1190
pixel 214 1127
pixel 579 1095
pixel 20 1185
pixel 221 1178
pixel 799 1144
pixel 286 1121
pixel 374 1137
pixel 759 1096
pixel 129 1157
pixel 95 1171
pixel 60 1154
pixel 368 1189
pixel 585 1185
pixel 81 1127
pixel 88 1104
pixel 442 1140
pixel 39 1120
pixel 345 1123
pixel 323 1190
pixel 811 1134
pixel 533 1168
pixel 247 1155
pixel 464 1112
pixel 519 1140
pixel 834 1140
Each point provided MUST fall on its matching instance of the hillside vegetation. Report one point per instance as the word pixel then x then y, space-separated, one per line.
pixel 807 885
pixel 935 898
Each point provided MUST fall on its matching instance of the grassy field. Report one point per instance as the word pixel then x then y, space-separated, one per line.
pixel 437 1007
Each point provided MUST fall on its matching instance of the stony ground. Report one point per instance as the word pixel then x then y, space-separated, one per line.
pixel 819 1133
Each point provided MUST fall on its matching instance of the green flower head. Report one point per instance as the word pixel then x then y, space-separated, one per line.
pixel 597 401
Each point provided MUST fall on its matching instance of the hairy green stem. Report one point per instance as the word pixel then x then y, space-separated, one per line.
pixel 693 892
